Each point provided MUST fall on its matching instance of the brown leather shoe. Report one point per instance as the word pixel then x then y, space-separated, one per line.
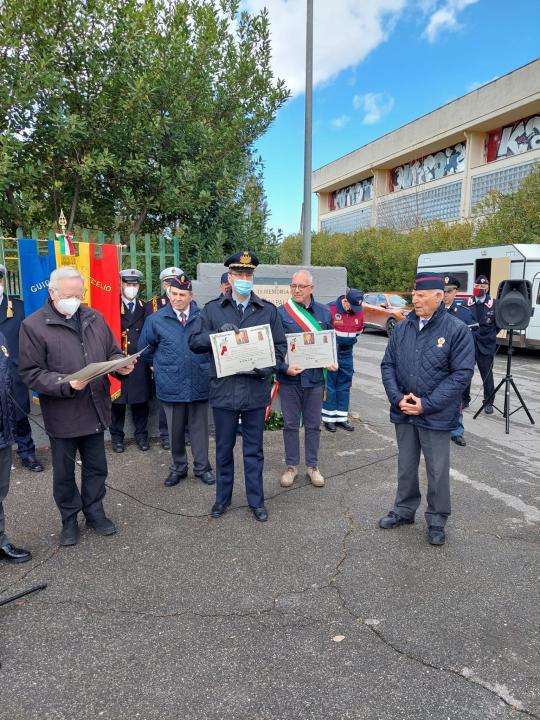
pixel 314 476
pixel 289 476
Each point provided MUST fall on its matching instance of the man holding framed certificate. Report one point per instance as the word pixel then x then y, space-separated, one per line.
pixel 246 338
pixel 311 351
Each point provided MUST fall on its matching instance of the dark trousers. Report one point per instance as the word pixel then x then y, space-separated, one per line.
pixel 139 413
pixel 93 475
pixel 226 423
pixel 23 438
pixel 178 416
pixel 298 401
pixel 163 429
pixel 5 470
pixel 435 446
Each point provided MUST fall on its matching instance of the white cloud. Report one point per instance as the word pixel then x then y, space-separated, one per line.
pixel 344 33
pixel 445 18
pixel 374 106
pixel 341 121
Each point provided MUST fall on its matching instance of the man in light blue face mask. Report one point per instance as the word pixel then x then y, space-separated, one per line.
pixel 243 396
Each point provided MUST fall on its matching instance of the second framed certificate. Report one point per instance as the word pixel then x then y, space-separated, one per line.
pixel 312 349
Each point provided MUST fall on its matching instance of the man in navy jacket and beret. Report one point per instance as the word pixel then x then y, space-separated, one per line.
pixel 429 361
pixel 181 379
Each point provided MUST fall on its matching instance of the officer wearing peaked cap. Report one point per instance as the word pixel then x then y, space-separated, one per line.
pixel 461 312
pixel 242 396
pixel 482 307
pixel 153 305
pixel 11 317
pixel 136 388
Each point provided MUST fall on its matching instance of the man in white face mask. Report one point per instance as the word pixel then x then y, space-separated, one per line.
pixel 59 339
pixel 137 387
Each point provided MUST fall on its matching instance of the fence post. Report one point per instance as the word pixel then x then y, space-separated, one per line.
pixel 162 252
pixel 101 237
pixel 133 250
pixel 176 250
pixel 148 266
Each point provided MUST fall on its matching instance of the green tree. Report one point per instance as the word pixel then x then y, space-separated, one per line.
pixel 134 116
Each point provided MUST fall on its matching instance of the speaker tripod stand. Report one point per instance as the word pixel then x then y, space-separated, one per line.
pixel 507 381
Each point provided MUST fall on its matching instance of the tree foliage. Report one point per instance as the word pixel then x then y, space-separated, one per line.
pixel 135 115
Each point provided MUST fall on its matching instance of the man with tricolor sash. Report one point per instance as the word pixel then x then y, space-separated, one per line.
pixel 302 390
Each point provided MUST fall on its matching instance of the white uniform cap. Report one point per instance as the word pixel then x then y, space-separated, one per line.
pixel 170 272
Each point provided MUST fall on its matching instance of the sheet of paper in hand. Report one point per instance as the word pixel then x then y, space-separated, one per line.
pixel 97 369
pixel 240 352
pixel 312 349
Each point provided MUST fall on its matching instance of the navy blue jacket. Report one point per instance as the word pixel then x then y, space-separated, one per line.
pixel 485 335
pixel 180 375
pixel 436 364
pixel 11 326
pixel 461 312
pixel 313 376
pixel 242 391
pixel 7 415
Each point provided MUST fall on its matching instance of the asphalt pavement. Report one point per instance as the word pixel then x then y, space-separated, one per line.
pixel 315 614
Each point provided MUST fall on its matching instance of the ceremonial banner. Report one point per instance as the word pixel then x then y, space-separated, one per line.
pixel 81 262
pixel 66 243
pixel 104 291
pixel 35 272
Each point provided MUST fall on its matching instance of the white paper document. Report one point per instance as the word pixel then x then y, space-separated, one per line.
pixel 312 349
pixel 96 369
pixel 249 348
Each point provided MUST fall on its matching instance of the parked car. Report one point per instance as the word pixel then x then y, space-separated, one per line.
pixel 382 310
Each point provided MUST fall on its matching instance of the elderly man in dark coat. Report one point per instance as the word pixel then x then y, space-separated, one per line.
pixel 58 340
pixel 8 552
pixel 136 387
pixel 11 317
pixel 181 379
pixel 428 362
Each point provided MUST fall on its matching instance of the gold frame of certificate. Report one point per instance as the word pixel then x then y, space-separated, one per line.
pixel 312 349
pixel 241 352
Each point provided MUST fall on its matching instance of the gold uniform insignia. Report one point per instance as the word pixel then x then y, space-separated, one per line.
pixel 5 350
pixel 440 342
pixel 446 280
pixel 245 258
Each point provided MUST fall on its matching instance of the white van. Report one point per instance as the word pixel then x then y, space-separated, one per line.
pixel 502 262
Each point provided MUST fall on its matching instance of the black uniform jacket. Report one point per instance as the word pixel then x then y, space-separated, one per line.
pixel 10 327
pixel 242 391
pixel 137 386
pixel 51 346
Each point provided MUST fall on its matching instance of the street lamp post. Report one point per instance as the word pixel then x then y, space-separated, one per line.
pixel 306 219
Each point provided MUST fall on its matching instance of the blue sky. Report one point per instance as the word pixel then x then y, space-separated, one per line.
pixel 379 64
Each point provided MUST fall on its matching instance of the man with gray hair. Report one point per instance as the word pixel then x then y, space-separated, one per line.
pixel 57 340
pixel 429 361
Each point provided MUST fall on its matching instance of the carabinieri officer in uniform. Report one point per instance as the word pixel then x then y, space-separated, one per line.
pixel 136 387
pixel 482 307
pixel 244 395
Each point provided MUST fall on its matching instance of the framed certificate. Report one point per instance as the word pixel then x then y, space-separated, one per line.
pixel 249 348
pixel 312 349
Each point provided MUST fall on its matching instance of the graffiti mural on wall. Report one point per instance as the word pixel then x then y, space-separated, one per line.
pixel 514 139
pixel 432 167
pixel 352 194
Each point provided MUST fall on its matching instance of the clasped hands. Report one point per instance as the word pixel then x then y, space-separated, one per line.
pixel 410 404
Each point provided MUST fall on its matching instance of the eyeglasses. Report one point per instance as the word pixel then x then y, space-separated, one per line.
pixel 299 287
pixel 68 297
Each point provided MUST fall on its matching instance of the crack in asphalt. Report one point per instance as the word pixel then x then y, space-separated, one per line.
pixel 35 566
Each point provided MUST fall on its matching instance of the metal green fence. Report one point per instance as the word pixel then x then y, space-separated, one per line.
pixel 148 253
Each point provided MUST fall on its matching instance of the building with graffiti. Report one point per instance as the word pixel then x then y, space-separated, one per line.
pixel 439 166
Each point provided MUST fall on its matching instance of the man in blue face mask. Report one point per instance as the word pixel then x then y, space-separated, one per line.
pixel 242 396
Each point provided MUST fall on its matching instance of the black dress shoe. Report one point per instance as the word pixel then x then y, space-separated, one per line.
pixel 488 409
pixel 165 444
pixel 346 426
pixel 70 532
pixel 260 513
pixel 392 520
pixel 436 535
pixel 118 447
pixel 11 554
pixel 102 525
pixel 331 427
pixel 459 440
pixel 143 445
pixel 207 477
pixel 32 463
pixel 174 478
pixel 218 509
